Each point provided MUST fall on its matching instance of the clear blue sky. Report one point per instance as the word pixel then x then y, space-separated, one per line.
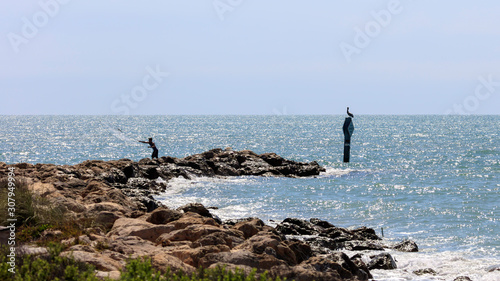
pixel 249 57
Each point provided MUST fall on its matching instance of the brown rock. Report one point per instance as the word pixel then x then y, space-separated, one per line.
pixel 334 267
pixel 242 257
pixel 250 227
pixel 190 219
pixel 163 216
pixel 192 256
pixel 136 227
pixel 270 244
pixel 163 261
pixel 107 219
pixel 101 262
pixel 196 231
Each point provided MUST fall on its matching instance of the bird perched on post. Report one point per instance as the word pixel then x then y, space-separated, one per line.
pixel 350 114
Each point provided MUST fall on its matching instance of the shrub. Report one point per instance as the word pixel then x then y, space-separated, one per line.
pixel 46 267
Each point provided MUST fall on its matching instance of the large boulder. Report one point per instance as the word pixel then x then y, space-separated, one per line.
pixel 137 227
pixel 382 261
pixel 334 267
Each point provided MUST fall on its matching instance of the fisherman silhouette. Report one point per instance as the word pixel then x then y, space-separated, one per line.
pixel 350 114
pixel 153 146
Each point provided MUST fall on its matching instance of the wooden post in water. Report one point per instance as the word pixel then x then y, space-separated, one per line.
pixel 348 129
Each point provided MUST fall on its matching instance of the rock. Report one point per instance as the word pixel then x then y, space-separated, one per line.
pixel 242 258
pixel 260 243
pixel 135 227
pixel 425 271
pixel 163 216
pixel 163 262
pixel 190 219
pixel 250 227
pixel 107 219
pixel 49 233
pixel 196 231
pixel 301 250
pixel 361 246
pixel 321 223
pixel 323 245
pixel 100 262
pixel 382 261
pixel 113 275
pixel 334 267
pixel 228 239
pixel 358 261
pixel 197 208
pixel 406 246
pixel 96 208
pixel 342 235
pixel 272 159
pixel 192 256
pixel 292 226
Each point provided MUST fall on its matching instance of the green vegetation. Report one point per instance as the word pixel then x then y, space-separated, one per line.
pixel 36 214
pixel 45 267
pixel 54 267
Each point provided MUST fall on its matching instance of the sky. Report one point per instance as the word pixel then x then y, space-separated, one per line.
pixel 164 57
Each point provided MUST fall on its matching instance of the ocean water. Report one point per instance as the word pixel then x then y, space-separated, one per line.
pixel 431 179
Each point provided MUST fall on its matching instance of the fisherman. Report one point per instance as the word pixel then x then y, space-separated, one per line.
pixel 153 146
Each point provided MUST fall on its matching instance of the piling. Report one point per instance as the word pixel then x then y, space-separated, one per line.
pixel 348 129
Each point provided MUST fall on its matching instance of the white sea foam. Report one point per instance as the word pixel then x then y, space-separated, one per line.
pixel 447 265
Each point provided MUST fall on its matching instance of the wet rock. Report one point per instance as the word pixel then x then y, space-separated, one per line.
pixel 361 246
pixel 323 245
pixel 293 226
pixel 321 223
pixel 382 261
pixel 334 267
pixel 424 271
pixel 301 250
pixel 406 246
pixel 358 261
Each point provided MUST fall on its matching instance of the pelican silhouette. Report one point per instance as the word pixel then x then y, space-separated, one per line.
pixel 350 114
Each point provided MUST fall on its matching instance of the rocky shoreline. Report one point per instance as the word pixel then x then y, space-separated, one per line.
pixel 127 221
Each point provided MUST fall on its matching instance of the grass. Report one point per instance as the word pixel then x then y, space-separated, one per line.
pixel 35 214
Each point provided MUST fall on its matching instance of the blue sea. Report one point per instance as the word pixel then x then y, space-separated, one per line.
pixel 431 179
